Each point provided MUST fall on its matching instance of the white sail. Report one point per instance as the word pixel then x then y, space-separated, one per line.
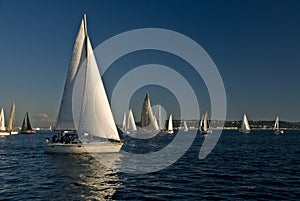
pixel 153 120
pixel 124 122
pixel 201 123
pixel 185 126
pixel 245 125
pixel 131 122
pixel 2 120
pixel 10 126
pixel 205 122
pixel 170 123
pixel 65 117
pixel 161 124
pixel 94 115
pixel 276 125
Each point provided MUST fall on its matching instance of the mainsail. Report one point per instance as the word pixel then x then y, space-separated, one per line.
pixel 147 117
pixel 131 122
pixel 65 117
pixel 276 125
pixel 92 110
pixel 170 123
pixel 11 118
pixel 185 126
pixel 124 122
pixel 245 125
pixel 205 126
pixel 26 123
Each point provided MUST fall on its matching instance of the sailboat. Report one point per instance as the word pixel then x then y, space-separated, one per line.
pixel 92 114
pixel 204 125
pixel 26 126
pixel 161 124
pixel 170 125
pixel 124 128
pixel 131 122
pixel 3 131
pixel 276 126
pixel 10 127
pixel 245 128
pixel 185 126
pixel 148 120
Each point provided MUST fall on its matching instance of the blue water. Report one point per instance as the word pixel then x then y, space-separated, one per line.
pixel 258 166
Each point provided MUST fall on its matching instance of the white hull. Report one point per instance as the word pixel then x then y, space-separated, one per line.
pixel 3 133
pixel 245 131
pixel 14 132
pixel 278 132
pixel 92 147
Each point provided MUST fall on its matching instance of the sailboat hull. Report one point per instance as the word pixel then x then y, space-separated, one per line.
pixel 245 131
pixel 14 132
pixel 278 132
pixel 4 133
pixel 28 132
pixel 92 147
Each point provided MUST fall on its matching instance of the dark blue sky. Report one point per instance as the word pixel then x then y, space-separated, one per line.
pixel 254 44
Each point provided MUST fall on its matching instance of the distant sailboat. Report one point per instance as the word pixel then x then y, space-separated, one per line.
pixel 245 128
pixel 148 120
pixel 124 129
pixel 131 122
pixel 185 126
pixel 26 126
pixel 276 126
pixel 205 125
pixel 10 127
pixel 170 125
pixel 200 123
pixel 3 131
pixel 93 117
pixel 161 124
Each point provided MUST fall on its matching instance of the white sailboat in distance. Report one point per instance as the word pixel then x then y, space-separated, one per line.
pixel 91 110
pixel 10 127
pixel 245 128
pixel 205 125
pixel 276 126
pixel 170 125
pixel 185 127
pixel 3 131
pixel 131 122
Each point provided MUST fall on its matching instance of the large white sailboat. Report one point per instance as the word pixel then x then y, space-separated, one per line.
pixel 92 116
pixel 3 131
pixel 276 126
pixel 245 128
